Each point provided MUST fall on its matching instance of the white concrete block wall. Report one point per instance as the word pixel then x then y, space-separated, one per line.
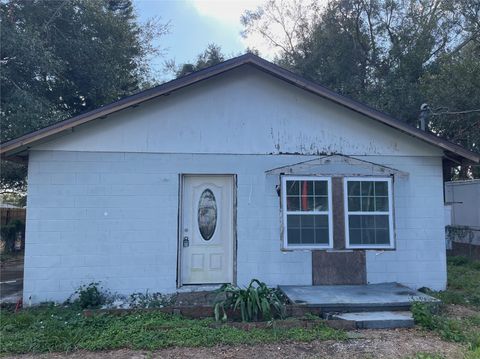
pixel 420 256
pixel 112 217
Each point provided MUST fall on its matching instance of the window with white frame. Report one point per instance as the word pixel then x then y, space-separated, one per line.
pixel 368 212
pixel 307 212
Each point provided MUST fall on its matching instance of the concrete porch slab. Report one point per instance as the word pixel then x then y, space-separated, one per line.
pixel 344 298
pixel 379 320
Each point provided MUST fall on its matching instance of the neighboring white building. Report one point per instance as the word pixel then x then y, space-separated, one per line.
pixel 463 198
pixel 239 171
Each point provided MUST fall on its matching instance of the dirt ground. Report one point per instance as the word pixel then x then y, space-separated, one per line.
pixel 400 343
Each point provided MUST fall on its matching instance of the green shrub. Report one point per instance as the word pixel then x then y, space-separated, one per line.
pixel 424 314
pixel 150 300
pixel 427 315
pixel 9 232
pixel 458 260
pixel 91 296
pixel 254 302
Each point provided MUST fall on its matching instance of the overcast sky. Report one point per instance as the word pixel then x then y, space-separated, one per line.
pixel 196 23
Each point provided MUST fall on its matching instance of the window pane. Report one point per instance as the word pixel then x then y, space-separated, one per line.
pixel 321 221
pixel 321 203
pixel 381 188
pixel 354 222
pixel 293 222
pixel 369 229
pixel 307 203
pixel 381 204
pixel 355 236
pixel 321 235
pixel 306 188
pixel 321 188
pixel 293 236
pixel 308 236
pixel 293 203
pixel 353 188
pixel 368 236
pixel 367 221
pixel 354 204
pixel 307 221
pixel 293 188
pixel 368 204
pixel 382 236
pixel 307 229
pixel 367 188
pixel 381 221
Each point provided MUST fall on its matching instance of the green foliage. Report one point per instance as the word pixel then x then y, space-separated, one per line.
pixel 9 233
pixel 64 329
pixel 455 330
pixel 457 261
pixel 255 302
pixel 150 300
pixel 427 356
pixel 450 86
pixel 211 56
pixel 463 289
pixel 424 314
pixel 91 296
pixel 13 197
pixel 13 177
pixel 61 58
pixel 463 282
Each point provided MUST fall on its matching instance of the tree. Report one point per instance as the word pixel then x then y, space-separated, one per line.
pixel 61 58
pixel 212 55
pixel 452 88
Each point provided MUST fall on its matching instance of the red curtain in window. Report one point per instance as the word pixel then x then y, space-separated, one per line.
pixel 304 196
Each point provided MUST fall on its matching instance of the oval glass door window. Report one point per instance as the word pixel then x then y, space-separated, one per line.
pixel 207 214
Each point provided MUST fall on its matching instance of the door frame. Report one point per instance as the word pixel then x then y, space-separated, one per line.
pixel 181 183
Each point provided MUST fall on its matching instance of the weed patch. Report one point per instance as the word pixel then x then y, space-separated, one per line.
pixel 64 329
pixel 463 289
pixel 463 283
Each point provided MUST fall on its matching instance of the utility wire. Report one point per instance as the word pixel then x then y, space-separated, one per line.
pixel 453 112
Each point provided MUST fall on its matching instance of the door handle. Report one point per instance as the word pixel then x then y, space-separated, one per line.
pixel 186 242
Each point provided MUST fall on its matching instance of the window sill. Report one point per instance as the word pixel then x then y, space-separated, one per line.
pixel 305 248
pixel 376 248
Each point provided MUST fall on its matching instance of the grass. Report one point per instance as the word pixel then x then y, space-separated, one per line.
pixel 422 355
pixel 63 329
pixel 463 289
pixel 463 282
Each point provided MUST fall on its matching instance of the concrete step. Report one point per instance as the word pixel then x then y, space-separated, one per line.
pixel 378 320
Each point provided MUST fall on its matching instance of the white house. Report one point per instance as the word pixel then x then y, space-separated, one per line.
pixel 242 170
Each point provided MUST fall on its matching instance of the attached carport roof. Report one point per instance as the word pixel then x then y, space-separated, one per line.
pixel 17 147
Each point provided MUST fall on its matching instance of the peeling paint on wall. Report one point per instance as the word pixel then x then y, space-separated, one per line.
pixel 242 113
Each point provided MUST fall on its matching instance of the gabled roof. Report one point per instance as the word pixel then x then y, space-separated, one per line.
pixel 16 146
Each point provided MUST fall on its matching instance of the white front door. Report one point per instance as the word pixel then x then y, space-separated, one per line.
pixel 206 232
